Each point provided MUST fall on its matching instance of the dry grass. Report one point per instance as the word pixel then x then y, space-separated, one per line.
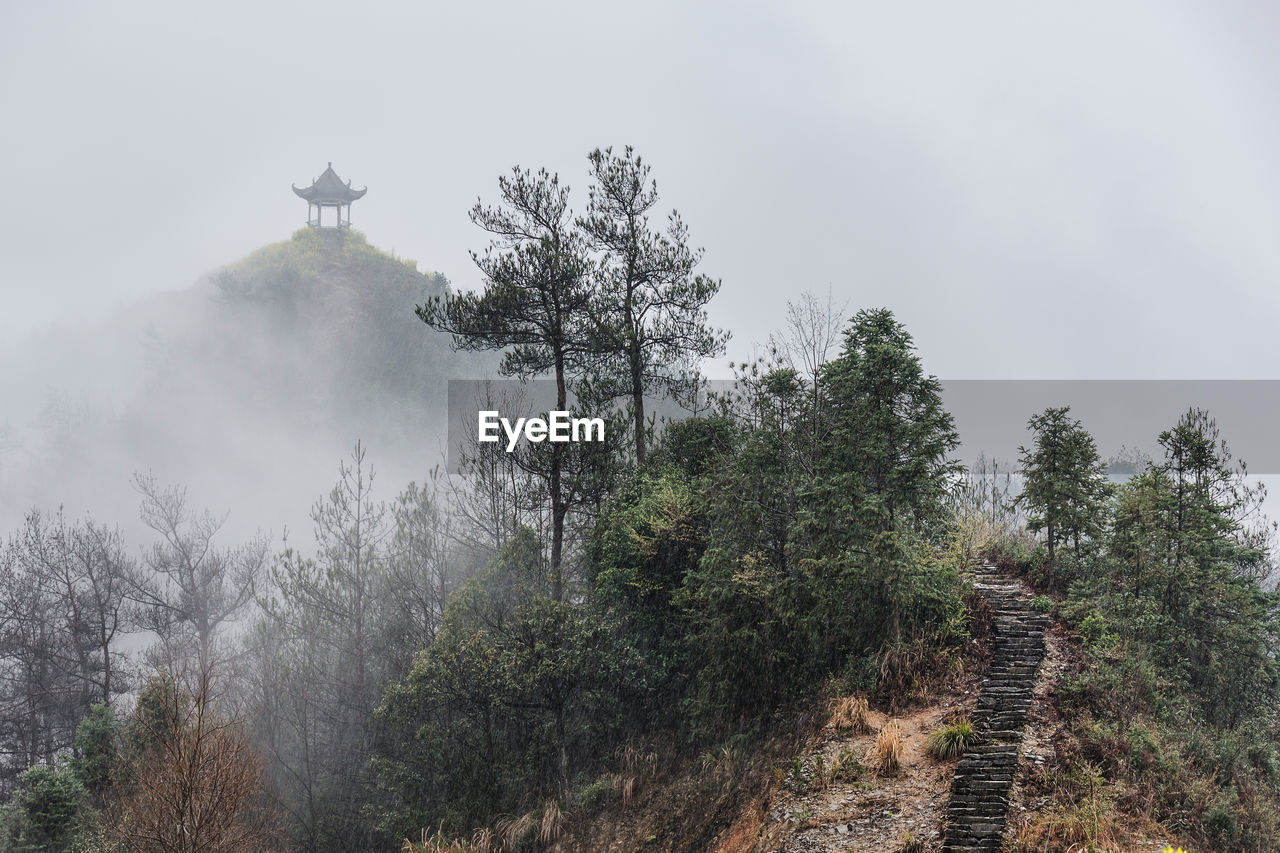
pixel 440 843
pixel 915 669
pixel 510 833
pixel 1072 828
pixel 627 788
pixel 850 713
pixel 513 830
pixel 912 844
pixel 553 820
pixel 638 766
pixel 638 762
pixel 843 767
pixel 885 755
pixel 1083 814
pixel 744 835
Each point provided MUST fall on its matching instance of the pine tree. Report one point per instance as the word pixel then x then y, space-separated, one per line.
pixel 1065 486
pixel 651 301
pixel 536 306
pixel 885 464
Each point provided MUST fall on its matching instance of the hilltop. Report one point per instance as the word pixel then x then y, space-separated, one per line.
pixel 247 386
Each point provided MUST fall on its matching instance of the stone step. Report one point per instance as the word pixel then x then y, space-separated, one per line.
pixel 984 775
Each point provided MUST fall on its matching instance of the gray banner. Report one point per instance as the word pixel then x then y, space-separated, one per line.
pixel 990 414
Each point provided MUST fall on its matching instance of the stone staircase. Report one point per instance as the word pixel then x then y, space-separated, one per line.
pixel 980 790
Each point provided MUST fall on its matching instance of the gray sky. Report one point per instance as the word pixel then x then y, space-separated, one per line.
pixel 1088 190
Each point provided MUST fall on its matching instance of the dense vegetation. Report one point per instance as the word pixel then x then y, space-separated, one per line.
pixel 721 582
pixel 1169 709
pixel 486 659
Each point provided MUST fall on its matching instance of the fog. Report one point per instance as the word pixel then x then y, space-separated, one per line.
pixel 1044 194
pixel 969 168
pixel 1037 193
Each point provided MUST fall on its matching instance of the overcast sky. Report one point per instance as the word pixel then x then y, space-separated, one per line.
pixel 1083 191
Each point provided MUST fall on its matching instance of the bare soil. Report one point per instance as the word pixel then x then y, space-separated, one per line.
pixel 874 812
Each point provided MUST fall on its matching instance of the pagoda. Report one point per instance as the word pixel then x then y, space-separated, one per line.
pixel 329 192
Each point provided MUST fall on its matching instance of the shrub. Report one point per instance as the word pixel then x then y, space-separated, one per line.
pixel 1093 628
pixel 597 794
pixel 951 741
pixel 913 668
pixel 845 767
pixel 1042 604
pixel 885 755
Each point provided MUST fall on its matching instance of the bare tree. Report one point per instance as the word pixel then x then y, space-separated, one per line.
pixel 36 694
pixel 85 569
pixel 496 495
pixel 419 574
pixel 189 781
pixel 812 331
pixel 326 616
pixel 62 613
pixel 198 587
pixel 989 494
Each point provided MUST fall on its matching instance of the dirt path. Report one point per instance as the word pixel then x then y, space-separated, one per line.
pixel 867 811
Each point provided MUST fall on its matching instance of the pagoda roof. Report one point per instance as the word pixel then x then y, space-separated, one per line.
pixel 330 188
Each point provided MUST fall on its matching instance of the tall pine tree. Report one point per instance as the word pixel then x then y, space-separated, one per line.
pixel 885 462
pixel 536 306
pixel 652 300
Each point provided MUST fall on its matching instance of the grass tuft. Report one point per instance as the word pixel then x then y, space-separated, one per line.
pixel 951 741
pixel 885 755
pixel 912 844
pixel 851 713
pixel 553 821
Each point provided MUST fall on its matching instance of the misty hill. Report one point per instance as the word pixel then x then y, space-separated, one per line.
pixel 333 321
pixel 247 386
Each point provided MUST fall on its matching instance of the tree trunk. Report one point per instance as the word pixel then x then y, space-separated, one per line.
pixel 637 401
pixel 558 508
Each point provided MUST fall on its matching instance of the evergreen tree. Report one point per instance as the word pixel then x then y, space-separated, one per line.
pixel 651 301
pixel 884 463
pixel 889 439
pixel 47 813
pixel 1065 486
pixel 536 306
pixel 330 612
pixel 96 750
pixel 512 698
pixel 1188 543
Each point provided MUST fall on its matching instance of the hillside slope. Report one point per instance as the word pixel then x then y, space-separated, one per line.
pixel 814 787
pixel 248 387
